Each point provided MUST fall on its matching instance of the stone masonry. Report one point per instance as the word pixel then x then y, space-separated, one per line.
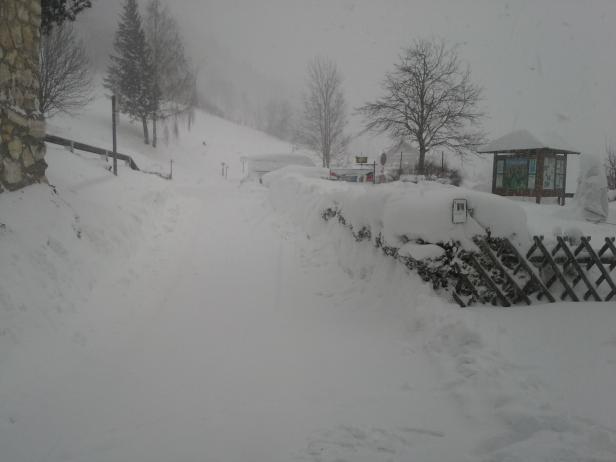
pixel 22 129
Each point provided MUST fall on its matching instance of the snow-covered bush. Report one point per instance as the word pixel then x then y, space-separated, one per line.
pixel 592 195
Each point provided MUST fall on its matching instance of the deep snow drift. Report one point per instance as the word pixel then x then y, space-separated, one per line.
pixel 199 319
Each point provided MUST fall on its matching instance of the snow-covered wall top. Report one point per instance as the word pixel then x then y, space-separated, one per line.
pixel 398 211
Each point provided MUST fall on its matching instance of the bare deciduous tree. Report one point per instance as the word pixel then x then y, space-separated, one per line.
pixel 429 99
pixel 324 114
pixel 65 80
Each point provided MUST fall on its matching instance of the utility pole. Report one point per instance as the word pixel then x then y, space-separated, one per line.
pixel 374 172
pixel 113 124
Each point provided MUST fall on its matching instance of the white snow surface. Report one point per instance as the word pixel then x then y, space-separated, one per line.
pixel 400 211
pixel 524 139
pixel 191 320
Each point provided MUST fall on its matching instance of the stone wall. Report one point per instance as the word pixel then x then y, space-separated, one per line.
pixel 22 129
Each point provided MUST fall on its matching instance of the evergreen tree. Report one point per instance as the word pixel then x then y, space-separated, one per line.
pixel 129 75
pixel 172 90
pixel 58 11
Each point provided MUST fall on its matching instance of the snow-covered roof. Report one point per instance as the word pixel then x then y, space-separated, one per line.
pixel 295 159
pixel 523 140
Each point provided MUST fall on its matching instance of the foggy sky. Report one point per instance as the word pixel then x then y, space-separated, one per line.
pixel 548 66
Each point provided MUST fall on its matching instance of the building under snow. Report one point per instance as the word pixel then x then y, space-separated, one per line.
pixel 525 165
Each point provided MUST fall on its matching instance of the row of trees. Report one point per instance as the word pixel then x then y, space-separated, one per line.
pixel 149 71
pixel 428 98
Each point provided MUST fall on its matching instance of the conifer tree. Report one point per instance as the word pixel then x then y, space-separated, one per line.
pixel 129 75
pixel 172 90
pixel 55 12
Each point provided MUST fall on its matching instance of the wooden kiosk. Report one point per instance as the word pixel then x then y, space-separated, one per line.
pixel 526 166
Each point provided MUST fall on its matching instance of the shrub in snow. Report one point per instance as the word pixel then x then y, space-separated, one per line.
pixel 591 195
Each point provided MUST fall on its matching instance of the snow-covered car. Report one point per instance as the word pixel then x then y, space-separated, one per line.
pixel 259 165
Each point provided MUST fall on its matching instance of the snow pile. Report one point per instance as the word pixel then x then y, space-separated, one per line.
pixel 58 241
pixel 399 212
pixel 591 195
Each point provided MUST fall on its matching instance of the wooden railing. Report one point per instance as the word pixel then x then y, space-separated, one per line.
pixel 89 148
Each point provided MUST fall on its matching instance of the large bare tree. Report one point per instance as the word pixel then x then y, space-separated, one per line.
pixel 429 99
pixel 65 80
pixel 323 119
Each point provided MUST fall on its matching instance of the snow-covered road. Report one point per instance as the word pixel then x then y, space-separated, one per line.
pixel 229 336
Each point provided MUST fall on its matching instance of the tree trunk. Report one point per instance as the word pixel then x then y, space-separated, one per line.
pixel 422 159
pixel 146 135
pixel 154 137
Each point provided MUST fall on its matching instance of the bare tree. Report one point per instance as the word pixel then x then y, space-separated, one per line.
pixel 610 166
pixel 323 119
pixel 429 99
pixel 65 80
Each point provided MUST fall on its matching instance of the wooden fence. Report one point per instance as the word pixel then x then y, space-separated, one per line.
pixel 500 275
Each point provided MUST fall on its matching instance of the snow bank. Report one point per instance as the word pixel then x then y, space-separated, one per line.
pixel 591 195
pixel 399 212
pixel 57 242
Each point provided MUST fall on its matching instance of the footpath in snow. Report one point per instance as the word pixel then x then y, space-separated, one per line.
pixel 190 320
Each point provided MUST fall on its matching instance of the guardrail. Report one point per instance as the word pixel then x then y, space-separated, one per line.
pixel 89 148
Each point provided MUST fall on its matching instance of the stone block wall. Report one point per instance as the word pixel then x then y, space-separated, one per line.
pixel 22 129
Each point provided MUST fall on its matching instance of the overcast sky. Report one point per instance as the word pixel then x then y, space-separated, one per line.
pixel 548 66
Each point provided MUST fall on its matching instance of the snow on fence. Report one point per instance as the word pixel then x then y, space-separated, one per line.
pixel 498 273
pixel 489 259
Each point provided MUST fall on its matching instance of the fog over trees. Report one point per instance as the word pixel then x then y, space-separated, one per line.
pixel 539 66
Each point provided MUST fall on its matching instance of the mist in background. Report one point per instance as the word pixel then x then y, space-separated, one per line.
pixel 548 66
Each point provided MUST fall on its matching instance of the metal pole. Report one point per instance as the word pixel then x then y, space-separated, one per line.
pixel 374 172
pixel 113 124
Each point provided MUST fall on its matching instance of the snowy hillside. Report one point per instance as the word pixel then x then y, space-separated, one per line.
pixel 207 319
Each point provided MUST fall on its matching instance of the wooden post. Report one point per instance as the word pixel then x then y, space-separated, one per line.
pixel 564 180
pixel 113 125
pixel 171 169
pixel 494 173
pixel 539 177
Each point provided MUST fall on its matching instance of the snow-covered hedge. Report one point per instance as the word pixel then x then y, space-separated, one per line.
pixel 397 213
